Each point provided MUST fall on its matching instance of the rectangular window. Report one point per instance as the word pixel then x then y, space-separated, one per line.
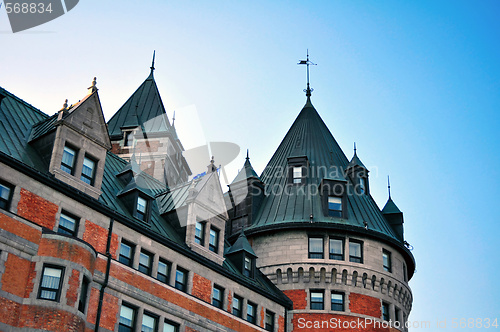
pixel 128 138
pixel 386 255
pixel 337 249
pixel 251 312
pixel 297 174
pixel 247 271
pixel 213 243
pixel 145 262
pixel 405 273
pixel 5 195
pixel 362 186
pixel 50 286
pixel 335 206
pixel 181 279
pixel 88 171
pixel 398 317
pixel 127 319
pixel 217 296
pixel 169 326
pixel 149 323
pixel 83 295
pixel 317 302
pixel 199 233
pixel 141 208
pixel 337 301
pixel 163 271
pixel 68 160
pixel 269 321
pixel 126 253
pixel 237 303
pixel 355 252
pixel 67 224
pixel 316 247
pixel 385 311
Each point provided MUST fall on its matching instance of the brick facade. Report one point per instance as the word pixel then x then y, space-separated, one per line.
pixel 37 209
pixel 365 305
pixel 298 297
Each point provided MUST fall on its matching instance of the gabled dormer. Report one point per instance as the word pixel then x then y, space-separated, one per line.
pixel 394 217
pixel 137 197
pixel 242 256
pixel 298 169
pixel 74 143
pixel 358 173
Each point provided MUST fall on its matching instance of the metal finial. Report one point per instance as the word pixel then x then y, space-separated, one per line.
pixel 389 186
pixel 173 120
pixel 212 161
pixel 93 87
pixel 153 62
pixel 247 158
pixel 65 105
pixel 307 63
pixel 354 147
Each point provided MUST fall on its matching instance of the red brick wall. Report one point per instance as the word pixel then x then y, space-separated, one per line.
pixel 74 286
pixel 109 312
pixel 298 297
pixel 16 275
pixel 37 209
pixel 67 251
pixel 188 329
pixel 202 288
pixel 324 323
pixel 229 302
pixel 148 167
pixel 365 305
pixel 30 283
pixel 262 317
pixel 18 228
pixel 9 312
pixel 97 237
pixel 281 324
pixel 49 319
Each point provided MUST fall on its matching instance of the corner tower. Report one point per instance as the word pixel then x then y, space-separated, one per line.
pixel 321 238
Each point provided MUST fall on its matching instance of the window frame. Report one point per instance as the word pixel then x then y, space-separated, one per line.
pixel 128 135
pixel 252 318
pixel 333 305
pixel 311 254
pixel 57 290
pixel 356 259
pixel 248 271
pixel 132 253
pixel 171 323
pixel 238 311
pixel 267 326
pixel 297 179
pixel 61 229
pixel 182 286
pixel 387 254
pixel 150 315
pixel 342 244
pixel 214 247
pixel 142 216
pixel 385 311
pixel 317 305
pixel 168 271
pixel 221 291
pixel 200 239
pixel 63 165
pixel 8 200
pixel 82 300
pixel 84 176
pixel 146 269
pixel 122 326
pixel 334 213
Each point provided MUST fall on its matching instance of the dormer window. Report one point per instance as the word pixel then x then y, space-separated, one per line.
pixel 68 160
pixel 297 170
pixel 213 243
pixel 88 171
pixel 199 234
pixel 297 175
pixel 128 138
pixel 247 269
pixel 362 186
pixel 335 206
pixel 141 208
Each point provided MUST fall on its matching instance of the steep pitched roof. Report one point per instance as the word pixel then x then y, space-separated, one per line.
pixel 355 161
pixel 241 244
pixel 390 207
pixel 143 109
pixel 246 172
pixel 309 136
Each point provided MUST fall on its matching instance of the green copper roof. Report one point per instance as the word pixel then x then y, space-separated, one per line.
pixel 355 161
pixel 143 109
pixel 246 172
pixel 241 244
pixel 390 207
pixel 309 136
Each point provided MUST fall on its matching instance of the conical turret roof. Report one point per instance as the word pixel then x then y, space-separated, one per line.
pixel 390 207
pixel 289 206
pixel 246 172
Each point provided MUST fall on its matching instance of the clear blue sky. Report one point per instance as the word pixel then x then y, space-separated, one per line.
pixel 415 84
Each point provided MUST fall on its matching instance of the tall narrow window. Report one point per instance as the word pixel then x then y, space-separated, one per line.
pixel 251 312
pixel 169 326
pixel 141 208
pixel 398 317
pixel 337 301
pixel 88 171
pixel 213 243
pixel 355 252
pixel 237 303
pixel 181 279
pixel 405 273
pixel 248 264
pixel 337 249
pixel 316 247
pixel 128 138
pixel 199 233
pixel 386 256
pixel 317 301
pixel 83 295
pixel 335 206
pixel 67 224
pixel 50 287
pixel 149 323
pixel 385 311
pixel 68 160
pixel 126 253
pixel 269 321
pixel 217 296
pixel 5 196
pixel 297 174
pixel 127 319
pixel 145 262
pixel 163 271
pixel 362 185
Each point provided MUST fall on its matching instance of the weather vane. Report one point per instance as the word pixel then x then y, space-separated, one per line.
pixel 307 63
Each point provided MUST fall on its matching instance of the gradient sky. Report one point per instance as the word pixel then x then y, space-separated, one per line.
pixel 414 84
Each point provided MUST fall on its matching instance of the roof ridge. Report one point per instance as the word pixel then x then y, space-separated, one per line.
pixel 24 102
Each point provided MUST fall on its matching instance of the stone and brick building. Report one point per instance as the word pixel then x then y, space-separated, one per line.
pixel 102 229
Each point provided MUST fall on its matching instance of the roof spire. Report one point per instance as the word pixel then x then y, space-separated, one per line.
pixel 307 63
pixel 389 186
pixel 247 158
pixel 93 87
pixel 354 147
pixel 173 120
pixel 153 63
